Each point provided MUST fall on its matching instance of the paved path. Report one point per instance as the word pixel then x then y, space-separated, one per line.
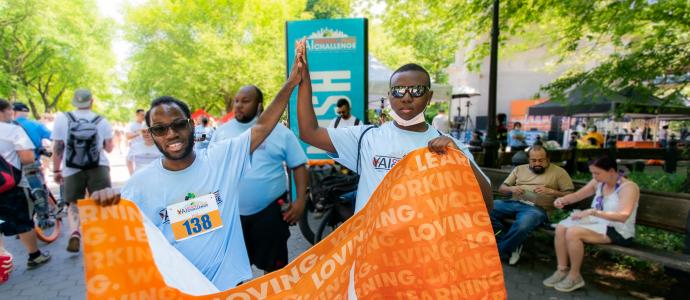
pixel 63 277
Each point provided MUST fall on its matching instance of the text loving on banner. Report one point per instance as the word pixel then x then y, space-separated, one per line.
pixel 425 235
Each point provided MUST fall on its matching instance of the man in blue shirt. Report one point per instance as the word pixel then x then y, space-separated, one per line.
pixel 183 178
pixel 264 227
pixel 37 132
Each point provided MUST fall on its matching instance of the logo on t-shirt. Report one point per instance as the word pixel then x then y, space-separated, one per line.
pixel 163 213
pixel 384 162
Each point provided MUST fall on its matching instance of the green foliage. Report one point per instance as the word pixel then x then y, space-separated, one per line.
pixel 51 48
pixel 629 42
pixel 385 48
pixel 329 9
pixel 202 52
pixel 432 110
pixel 427 29
pixel 658 238
pixel 651 181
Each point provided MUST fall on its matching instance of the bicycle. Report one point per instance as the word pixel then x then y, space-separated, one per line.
pixel 46 212
pixel 329 202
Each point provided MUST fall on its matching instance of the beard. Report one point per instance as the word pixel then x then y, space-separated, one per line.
pixel 537 169
pixel 246 119
pixel 185 153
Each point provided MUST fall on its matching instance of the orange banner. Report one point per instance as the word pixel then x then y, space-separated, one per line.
pixel 425 234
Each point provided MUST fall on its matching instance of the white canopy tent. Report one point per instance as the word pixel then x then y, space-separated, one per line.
pixel 379 76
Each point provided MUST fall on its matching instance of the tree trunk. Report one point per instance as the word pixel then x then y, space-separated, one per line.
pixel 34 111
pixel 56 99
pixel 227 97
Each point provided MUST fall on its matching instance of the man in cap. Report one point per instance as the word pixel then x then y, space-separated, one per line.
pixel 78 168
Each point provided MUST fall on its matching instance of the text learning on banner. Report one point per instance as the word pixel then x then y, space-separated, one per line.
pixel 410 243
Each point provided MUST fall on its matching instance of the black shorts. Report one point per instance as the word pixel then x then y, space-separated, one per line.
pixel 266 235
pixel 616 238
pixel 14 211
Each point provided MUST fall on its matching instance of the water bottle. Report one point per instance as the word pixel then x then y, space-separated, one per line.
pixel 284 206
pixel 5 267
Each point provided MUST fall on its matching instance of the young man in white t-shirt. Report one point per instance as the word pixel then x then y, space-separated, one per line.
pixel 345 117
pixel 440 121
pixel 210 176
pixel 384 146
pixel 77 180
pixel 134 137
pixel 17 149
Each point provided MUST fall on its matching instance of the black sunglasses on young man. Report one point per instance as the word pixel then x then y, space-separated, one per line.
pixel 177 125
pixel 415 91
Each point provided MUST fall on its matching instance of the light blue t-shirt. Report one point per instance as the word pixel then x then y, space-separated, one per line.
pixel 221 254
pixel 381 149
pixel 266 180
pixel 37 133
pixel 512 141
pixel 202 136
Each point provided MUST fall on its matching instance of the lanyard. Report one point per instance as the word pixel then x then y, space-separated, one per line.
pixel 599 201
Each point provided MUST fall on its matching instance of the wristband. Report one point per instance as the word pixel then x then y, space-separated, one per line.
pixel 57 171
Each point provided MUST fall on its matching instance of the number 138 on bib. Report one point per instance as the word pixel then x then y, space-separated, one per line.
pixel 194 217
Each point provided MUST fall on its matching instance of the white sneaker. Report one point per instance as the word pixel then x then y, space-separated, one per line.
pixel 515 256
pixel 557 277
pixel 569 285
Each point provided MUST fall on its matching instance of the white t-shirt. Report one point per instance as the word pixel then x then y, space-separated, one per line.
pixel 142 155
pixel 662 134
pixel 221 254
pixel 135 127
pixel 440 122
pixel 202 136
pixel 381 149
pixel 13 138
pixel 105 132
pixel 344 122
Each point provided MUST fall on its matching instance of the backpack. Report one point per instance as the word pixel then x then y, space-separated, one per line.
pixel 9 175
pixel 337 121
pixel 82 149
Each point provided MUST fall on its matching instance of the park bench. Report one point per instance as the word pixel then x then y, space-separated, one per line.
pixel 632 158
pixel 667 211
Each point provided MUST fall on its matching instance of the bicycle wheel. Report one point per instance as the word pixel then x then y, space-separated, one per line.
pixel 327 225
pixel 309 221
pixel 50 230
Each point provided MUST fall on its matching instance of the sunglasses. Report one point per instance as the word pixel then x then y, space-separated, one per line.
pixel 177 125
pixel 415 91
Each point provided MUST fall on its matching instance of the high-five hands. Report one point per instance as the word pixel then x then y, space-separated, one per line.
pixel 300 63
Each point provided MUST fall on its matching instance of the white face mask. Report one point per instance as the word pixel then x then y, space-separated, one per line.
pixel 406 123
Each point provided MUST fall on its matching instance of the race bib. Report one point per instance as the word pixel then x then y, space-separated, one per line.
pixel 194 217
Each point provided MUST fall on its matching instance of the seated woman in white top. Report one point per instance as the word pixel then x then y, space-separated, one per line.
pixel 610 220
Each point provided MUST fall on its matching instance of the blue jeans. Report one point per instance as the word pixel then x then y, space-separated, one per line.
pixel 527 218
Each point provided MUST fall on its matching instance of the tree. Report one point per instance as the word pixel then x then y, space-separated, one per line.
pixel 329 9
pixel 427 29
pixel 202 52
pixel 50 48
pixel 630 42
